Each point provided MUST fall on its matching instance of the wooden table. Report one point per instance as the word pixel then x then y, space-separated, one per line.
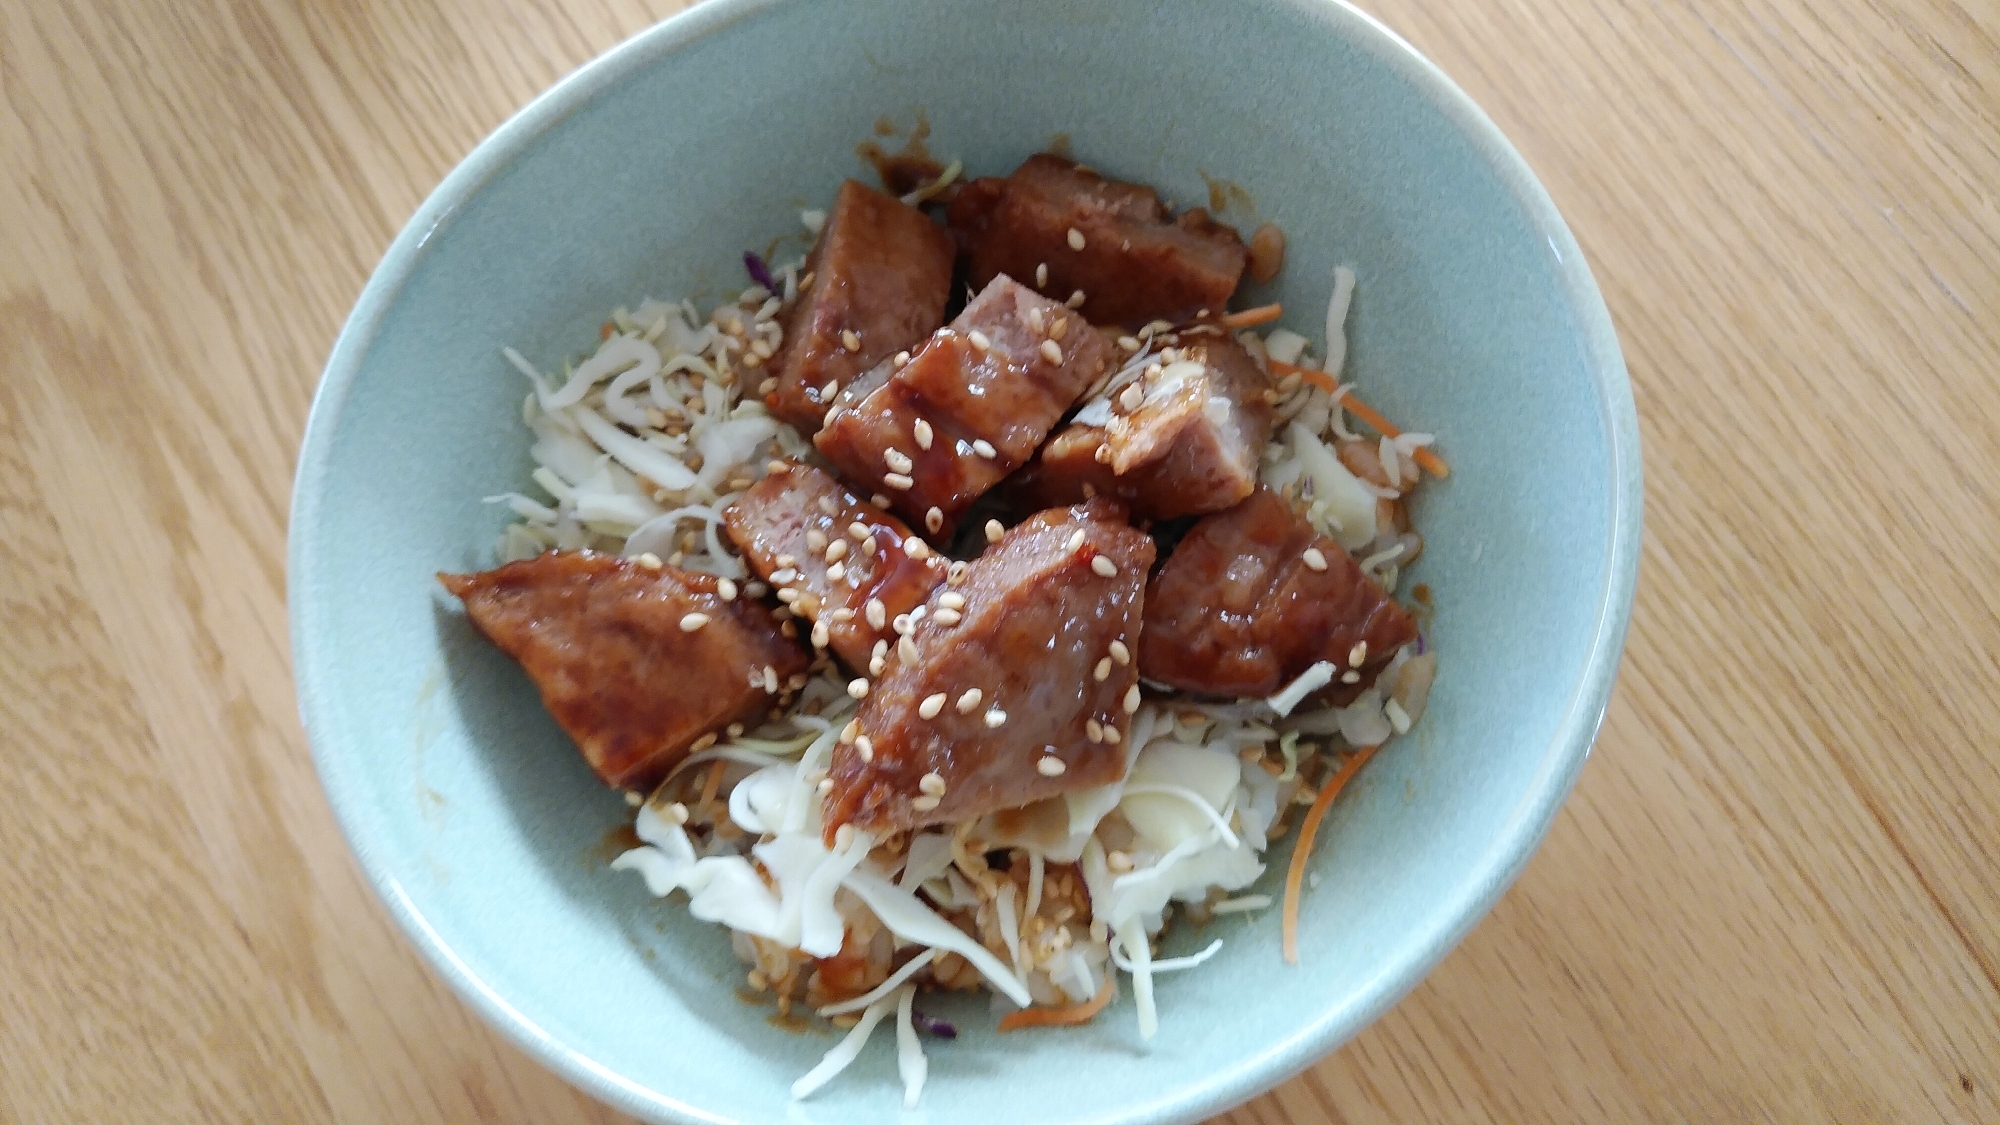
pixel 1774 896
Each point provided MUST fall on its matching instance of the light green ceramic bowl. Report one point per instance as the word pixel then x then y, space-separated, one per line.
pixel 649 172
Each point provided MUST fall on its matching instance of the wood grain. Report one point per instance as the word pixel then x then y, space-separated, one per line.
pixel 1774 896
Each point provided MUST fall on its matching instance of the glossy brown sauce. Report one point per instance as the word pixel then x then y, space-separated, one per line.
pixel 907 170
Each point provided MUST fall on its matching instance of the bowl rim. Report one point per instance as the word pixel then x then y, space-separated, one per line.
pixel 1498 866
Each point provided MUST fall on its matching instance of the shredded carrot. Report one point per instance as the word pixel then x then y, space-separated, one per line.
pixel 1060 1017
pixel 1430 461
pixel 1295 875
pixel 605 330
pixel 1251 318
pixel 713 781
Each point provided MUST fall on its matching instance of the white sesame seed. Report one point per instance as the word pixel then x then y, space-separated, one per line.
pixel 1076 299
pixel 1050 766
pixel 1118 862
pixel 947 617
pixel 1315 559
pixel 770 680
pixel 767 386
pixel 857 531
pixel 677 813
pixel 1104 566
pixel 906 650
pixel 1075 239
pixel 1111 735
pixel 1101 455
pixel 831 389
pixel 1074 541
pixel 931 705
pixel 1094 730
pixel 851 731
pixel 835 551
pixel 1102 672
pixel 1120 653
pixel 985 449
pixel 956 575
pixel 1131 699
pixel 923 432
pixel 844 838
pixel 1059 328
pixel 1035 319
pixel 932 784
pixel 865 747
pixel 878 614
pixel 934 519
pixel 1350 677
pixel 878 664
pixel 969 702
pixel 925 803
pixel 901 482
pixel 788 560
pixel 1132 397
pixel 829 505
pixel 815 539
pixel 1041 275
pixel 821 634
pixel 786 576
pixel 897 460
pixel 994 531
pixel 1357 655
pixel 842 615
pixel 836 572
pixel 849 340
pixel 787 595
pixel 858 687
pixel 726 590
pixel 1128 343
pixel 879 501
pixel 650 561
pixel 824 787
pixel 902 358
pixel 951 599
pixel 916 548
pixel 995 719
pixel 1051 351
pixel 979 340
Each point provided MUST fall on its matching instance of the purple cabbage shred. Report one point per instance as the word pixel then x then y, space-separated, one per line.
pixel 1420 645
pixel 931 1025
pixel 758 271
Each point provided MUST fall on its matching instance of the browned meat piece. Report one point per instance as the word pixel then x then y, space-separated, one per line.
pixel 797 528
pixel 1244 606
pixel 638 665
pixel 968 408
pixel 1134 265
pixel 1004 678
pixel 1190 446
pixel 881 273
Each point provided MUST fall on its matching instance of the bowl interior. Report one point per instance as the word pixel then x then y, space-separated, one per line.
pixel 650 173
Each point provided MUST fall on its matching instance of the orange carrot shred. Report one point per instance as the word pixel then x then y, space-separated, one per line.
pixel 605 330
pixel 1430 461
pixel 1060 1017
pixel 1251 318
pixel 713 781
pixel 1295 874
